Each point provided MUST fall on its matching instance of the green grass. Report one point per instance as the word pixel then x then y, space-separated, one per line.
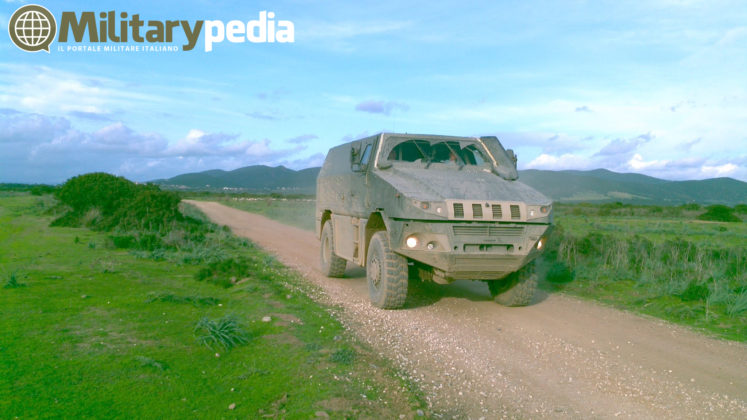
pixel 225 332
pixel 298 212
pixel 661 262
pixel 102 332
pixel 636 258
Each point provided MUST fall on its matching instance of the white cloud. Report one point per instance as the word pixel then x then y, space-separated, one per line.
pixel 554 163
pixel 637 163
pixel 37 148
pixel 46 90
pixel 727 169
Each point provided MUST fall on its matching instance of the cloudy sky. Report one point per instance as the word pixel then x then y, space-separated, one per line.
pixel 656 87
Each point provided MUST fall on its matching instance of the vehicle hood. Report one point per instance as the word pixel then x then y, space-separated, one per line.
pixel 466 184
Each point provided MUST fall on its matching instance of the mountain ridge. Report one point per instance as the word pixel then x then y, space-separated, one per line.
pixel 597 185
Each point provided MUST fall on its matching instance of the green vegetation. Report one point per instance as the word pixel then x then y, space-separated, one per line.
pixel 298 212
pixel 12 282
pixel 658 260
pixel 105 331
pixel 224 332
pixel 719 213
pixel 104 202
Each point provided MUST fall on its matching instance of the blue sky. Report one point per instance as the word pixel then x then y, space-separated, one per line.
pixel 656 87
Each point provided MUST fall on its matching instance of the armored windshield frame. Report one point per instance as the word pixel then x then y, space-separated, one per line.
pixel 423 147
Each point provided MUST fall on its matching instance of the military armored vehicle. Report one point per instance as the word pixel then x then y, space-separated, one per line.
pixel 441 208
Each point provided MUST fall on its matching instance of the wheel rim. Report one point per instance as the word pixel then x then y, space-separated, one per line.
pixel 375 272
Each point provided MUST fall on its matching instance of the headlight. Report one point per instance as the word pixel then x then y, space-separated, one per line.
pixel 411 242
pixel 434 207
pixel 540 243
pixel 536 212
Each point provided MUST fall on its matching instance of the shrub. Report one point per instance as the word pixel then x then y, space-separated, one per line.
pixel 107 202
pixel 150 209
pixel 42 189
pixel 96 190
pixel 719 213
pixel 559 273
pixel 12 282
pixel 223 332
pixel 695 292
pixel 738 305
pixel 343 356
pixel 224 272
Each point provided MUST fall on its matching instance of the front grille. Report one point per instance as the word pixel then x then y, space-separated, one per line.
pixel 497 211
pixel 488 230
pixel 486 263
pixel 477 211
pixel 459 210
pixel 515 212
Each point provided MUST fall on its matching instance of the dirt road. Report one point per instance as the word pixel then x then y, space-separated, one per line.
pixel 560 357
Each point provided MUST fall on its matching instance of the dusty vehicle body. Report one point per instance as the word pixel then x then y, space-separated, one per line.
pixel 444 208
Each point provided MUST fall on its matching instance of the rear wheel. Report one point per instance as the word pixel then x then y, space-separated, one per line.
pixel 517 289
pixel 332 265
pixel 386 273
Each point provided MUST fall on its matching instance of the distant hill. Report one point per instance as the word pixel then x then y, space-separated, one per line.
pixel 599 185
pixel 256 179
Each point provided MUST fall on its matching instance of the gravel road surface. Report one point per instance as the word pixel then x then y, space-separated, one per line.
pixel 559 357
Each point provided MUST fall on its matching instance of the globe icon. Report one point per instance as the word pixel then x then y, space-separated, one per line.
pixel 32 28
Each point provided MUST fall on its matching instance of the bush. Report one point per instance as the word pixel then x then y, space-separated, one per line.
pixel 225 272
pixel 12 282
pixel 150 209
pixel 42 189
pixel 719 213
pixel 98 190
pixel 695 292
pixel 559 273
pixel 223 332
pixel 343 356
pixel 107 202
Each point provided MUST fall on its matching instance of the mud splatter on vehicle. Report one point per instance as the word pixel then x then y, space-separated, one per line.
pixel 438 207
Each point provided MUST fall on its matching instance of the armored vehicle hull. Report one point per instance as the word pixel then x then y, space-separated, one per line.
pixel 438 207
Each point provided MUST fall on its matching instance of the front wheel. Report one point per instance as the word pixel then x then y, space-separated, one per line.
pixel 386 273
pixel 332 265
pixel 515 290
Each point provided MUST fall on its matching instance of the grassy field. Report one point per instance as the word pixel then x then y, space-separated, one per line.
pixel 659 261
pixel 298 212
pixel 88 330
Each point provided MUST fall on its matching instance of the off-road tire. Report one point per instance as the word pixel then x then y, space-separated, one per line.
pixel 332 265
pixel 517 289
pixel 386 273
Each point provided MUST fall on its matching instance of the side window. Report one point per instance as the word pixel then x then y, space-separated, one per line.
pixel 366 155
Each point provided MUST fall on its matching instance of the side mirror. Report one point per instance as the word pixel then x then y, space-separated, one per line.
pixel 356 167
pixel 513 156
pixel 354 152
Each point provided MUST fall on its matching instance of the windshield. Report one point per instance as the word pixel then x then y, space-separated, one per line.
pixel 460 153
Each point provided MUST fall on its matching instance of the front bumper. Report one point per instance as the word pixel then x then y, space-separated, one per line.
pixel 469 250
